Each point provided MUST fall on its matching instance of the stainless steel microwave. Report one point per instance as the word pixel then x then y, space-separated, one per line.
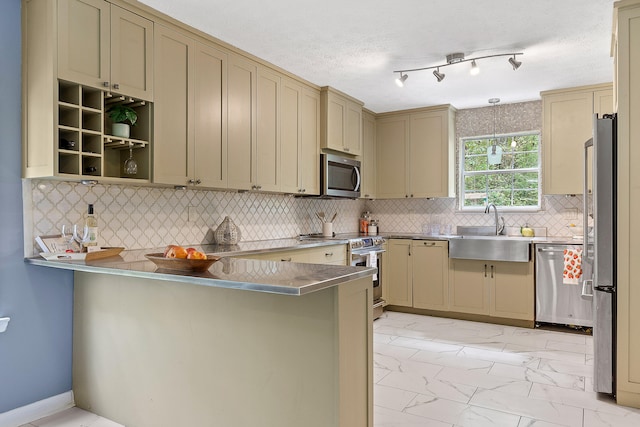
pixel 340 176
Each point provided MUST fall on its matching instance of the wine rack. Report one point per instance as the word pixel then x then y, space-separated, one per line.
pixel 85 146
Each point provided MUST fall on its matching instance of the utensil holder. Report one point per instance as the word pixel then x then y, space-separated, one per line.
pixel 327 229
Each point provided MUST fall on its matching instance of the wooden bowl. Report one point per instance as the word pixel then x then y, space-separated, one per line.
pixel 182 264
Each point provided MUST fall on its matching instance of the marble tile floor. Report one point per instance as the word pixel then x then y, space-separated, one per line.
pixel 431 371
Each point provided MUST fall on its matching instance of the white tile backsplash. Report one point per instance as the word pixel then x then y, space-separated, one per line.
pixel 146 217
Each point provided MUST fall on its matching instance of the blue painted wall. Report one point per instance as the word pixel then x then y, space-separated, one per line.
pixel 35 351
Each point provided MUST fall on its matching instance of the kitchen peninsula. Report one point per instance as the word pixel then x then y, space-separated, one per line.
pixel 247 342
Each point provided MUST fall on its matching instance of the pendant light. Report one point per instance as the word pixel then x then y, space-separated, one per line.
pixel 494 152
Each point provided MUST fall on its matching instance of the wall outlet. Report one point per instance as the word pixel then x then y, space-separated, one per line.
pixel 192 213
pixel 571 213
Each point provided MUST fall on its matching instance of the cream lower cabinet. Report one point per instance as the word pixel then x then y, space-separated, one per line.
pixel 430 274
pixel 190 144
pixel 398 288
pixel 567 125
pixel 415 153
pixel 105 46
pixel 492 288
pixel 417 274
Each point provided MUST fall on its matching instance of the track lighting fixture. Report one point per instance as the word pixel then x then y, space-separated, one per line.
pixel 456 58
pixel 400 80
pixel 438 74
pixel 515 64
pixel 474 68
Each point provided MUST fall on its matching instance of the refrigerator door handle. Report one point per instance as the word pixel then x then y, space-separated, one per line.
pixel 586 285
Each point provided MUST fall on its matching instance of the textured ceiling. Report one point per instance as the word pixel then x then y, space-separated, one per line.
pixel 355 45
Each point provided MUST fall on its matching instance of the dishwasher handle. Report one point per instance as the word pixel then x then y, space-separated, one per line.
pixel 550 250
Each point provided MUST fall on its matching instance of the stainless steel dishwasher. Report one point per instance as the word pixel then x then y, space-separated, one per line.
pixel 559 297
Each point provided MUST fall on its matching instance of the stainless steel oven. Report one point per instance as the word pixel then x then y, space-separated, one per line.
pixel 368 251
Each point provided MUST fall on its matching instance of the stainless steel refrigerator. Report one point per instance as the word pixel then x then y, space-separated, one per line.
pixel 599 254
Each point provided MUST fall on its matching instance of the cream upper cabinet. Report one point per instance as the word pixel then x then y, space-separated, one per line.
pixel 392 133
pixel 430 274
pixel 210 118
pixel 309 165
pixel 431 154
pixel 105 46
pixel 415 153
pixel 241 129
pixel 299 138
pixel 341 126
pixel 173 136
pixel 268 131
pixel 368 158
pixel 626 47
pixel 567 125
pixel 190 112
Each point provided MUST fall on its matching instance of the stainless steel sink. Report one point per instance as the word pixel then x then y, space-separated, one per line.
pixel 490 248
pixel 476 230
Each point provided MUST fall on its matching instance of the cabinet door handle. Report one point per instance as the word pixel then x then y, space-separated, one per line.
pixel 429 243
pixel 485 270
pixel 492 271
pixel 328 254
pixel 116 86
pixel 191 181
pixel 286 259
pixel 105 84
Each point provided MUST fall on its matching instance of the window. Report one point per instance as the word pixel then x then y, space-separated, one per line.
pixel 514 183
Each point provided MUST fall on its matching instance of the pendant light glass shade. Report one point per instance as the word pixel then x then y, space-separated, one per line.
pixel 494 152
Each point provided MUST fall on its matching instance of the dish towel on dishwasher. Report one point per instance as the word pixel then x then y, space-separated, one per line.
pixel 572 266
pixel 372 261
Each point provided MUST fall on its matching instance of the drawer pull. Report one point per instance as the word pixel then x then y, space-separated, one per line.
pixel 429 243
pixel 328 254
pixel 285 259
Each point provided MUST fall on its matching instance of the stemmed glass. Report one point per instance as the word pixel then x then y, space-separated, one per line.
pixel 130 165
pixel 71 233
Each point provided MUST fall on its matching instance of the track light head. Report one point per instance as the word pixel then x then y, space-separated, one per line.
pixel 514 63
pixel 400 80
pixel 440 76
pixel 474 68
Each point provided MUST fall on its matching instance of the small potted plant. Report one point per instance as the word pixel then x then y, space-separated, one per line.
pixel 120 114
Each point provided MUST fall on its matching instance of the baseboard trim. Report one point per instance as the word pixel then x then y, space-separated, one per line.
pixel 36 410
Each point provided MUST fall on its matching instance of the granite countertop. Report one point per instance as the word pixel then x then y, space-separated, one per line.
pixel 285 278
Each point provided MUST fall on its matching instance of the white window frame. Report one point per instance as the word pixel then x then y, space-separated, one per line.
pixel 461 175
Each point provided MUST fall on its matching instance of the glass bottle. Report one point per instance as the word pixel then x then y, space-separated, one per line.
pixel 92 226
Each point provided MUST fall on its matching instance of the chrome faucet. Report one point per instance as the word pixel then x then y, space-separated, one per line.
pixel 499 227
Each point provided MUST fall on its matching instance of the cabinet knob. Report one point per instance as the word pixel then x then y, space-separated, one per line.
pixel 259 187
pixel 406 195
pixel 412 195
pixel 328 254
pixel 116 86
pixel 191 181
pixel 253 187
pixel 198 181
pixel 304 190
pixel 105 84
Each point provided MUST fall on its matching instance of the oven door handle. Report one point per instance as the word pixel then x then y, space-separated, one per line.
pixel 367 253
